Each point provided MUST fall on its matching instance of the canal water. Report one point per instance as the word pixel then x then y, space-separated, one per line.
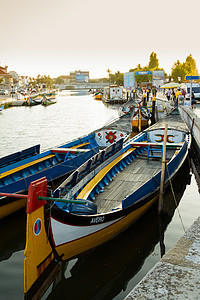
pixel 112 270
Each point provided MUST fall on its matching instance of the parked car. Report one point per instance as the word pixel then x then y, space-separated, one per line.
pixel 3 92
pixel 195 90
pixel 13 91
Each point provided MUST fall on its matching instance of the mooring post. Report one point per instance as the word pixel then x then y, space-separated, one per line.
pixel 162 180
pixel 140 119
pixel 144 103
pixel 153 120
pixel 148 95
pixel 133 94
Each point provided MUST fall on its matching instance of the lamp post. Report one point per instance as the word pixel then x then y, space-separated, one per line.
pixel 179 79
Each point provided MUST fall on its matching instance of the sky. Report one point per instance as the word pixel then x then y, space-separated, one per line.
pixel 55 37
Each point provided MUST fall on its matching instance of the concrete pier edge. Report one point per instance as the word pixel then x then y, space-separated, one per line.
pixel 177 275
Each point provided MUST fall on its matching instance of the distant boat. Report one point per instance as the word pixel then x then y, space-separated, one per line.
pixel 20 102
pixel 114 94
pixel 98 96
pixel 33 102
pixel 48 101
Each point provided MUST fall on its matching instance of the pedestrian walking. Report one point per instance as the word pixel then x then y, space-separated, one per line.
pixel 193 100
pixel 153 91
pixel 168 94
pixel 173 95
pixel 183 93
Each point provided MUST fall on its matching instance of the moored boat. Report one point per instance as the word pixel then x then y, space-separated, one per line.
pixel 48 101
pixel 33 101
pixel 114 94
pixel 100 199
pixel 98 96
pixel 141 116
pixel 19 169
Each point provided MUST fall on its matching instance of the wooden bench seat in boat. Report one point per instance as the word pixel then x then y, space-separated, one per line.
pixel 66 150
pixel 9 172
pixel 80 145
pixel 146 144
pixel 19 168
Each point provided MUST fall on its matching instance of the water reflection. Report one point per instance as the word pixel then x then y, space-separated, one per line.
pixel 13 232
pixel 105 272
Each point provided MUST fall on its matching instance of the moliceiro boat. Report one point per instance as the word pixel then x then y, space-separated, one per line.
pixel 98 96
pixel 114 94
pixel 48 101
pixel 101 198
pixel 141 116
pixel 19 169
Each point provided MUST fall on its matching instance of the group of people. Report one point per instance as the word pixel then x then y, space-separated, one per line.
pixel 174 95
pixel 148 90
pixel 178 95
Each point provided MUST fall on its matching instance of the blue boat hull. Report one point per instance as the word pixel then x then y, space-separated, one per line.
pixel 52 173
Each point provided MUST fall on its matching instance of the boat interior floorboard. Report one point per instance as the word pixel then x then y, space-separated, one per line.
pixel 127 181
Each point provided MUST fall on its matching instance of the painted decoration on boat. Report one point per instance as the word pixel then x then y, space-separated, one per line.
pixel 173 136
pixel 127 109
pixel 109 136
pixel 37 227
pixel 145 113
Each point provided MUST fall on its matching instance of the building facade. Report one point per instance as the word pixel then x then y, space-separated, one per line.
pixel 6 80
pixel 79 77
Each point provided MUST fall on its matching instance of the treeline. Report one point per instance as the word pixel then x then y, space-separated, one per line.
pixel 178 73
pixel 186 68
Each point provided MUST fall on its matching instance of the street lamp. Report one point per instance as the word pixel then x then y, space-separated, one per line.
pixel 179 79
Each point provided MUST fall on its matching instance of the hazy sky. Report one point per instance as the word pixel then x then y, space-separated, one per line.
pixel 54 37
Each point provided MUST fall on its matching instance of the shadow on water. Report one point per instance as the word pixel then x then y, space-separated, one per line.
pixel 13 234
pixel 106 271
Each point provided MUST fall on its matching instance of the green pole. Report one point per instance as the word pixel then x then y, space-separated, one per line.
pixel 62 200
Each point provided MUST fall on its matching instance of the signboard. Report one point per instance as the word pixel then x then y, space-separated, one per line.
pixel 129 80
pixel 191 77
pixel 143 73
pixel 81 77
pixel 158 78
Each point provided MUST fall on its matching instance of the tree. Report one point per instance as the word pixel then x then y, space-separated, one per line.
pixel 184 69
pixel 116 78
pixel 178 71
pixel 119 79
pixel 190 66
pixel 153 61
pixel 42 79
pixel 58 80
pixel 109 74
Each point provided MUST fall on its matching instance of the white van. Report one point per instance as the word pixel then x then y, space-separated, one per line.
pixel 195 90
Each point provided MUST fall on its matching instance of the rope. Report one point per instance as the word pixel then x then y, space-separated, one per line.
pixel 48 233
pixel 175 200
